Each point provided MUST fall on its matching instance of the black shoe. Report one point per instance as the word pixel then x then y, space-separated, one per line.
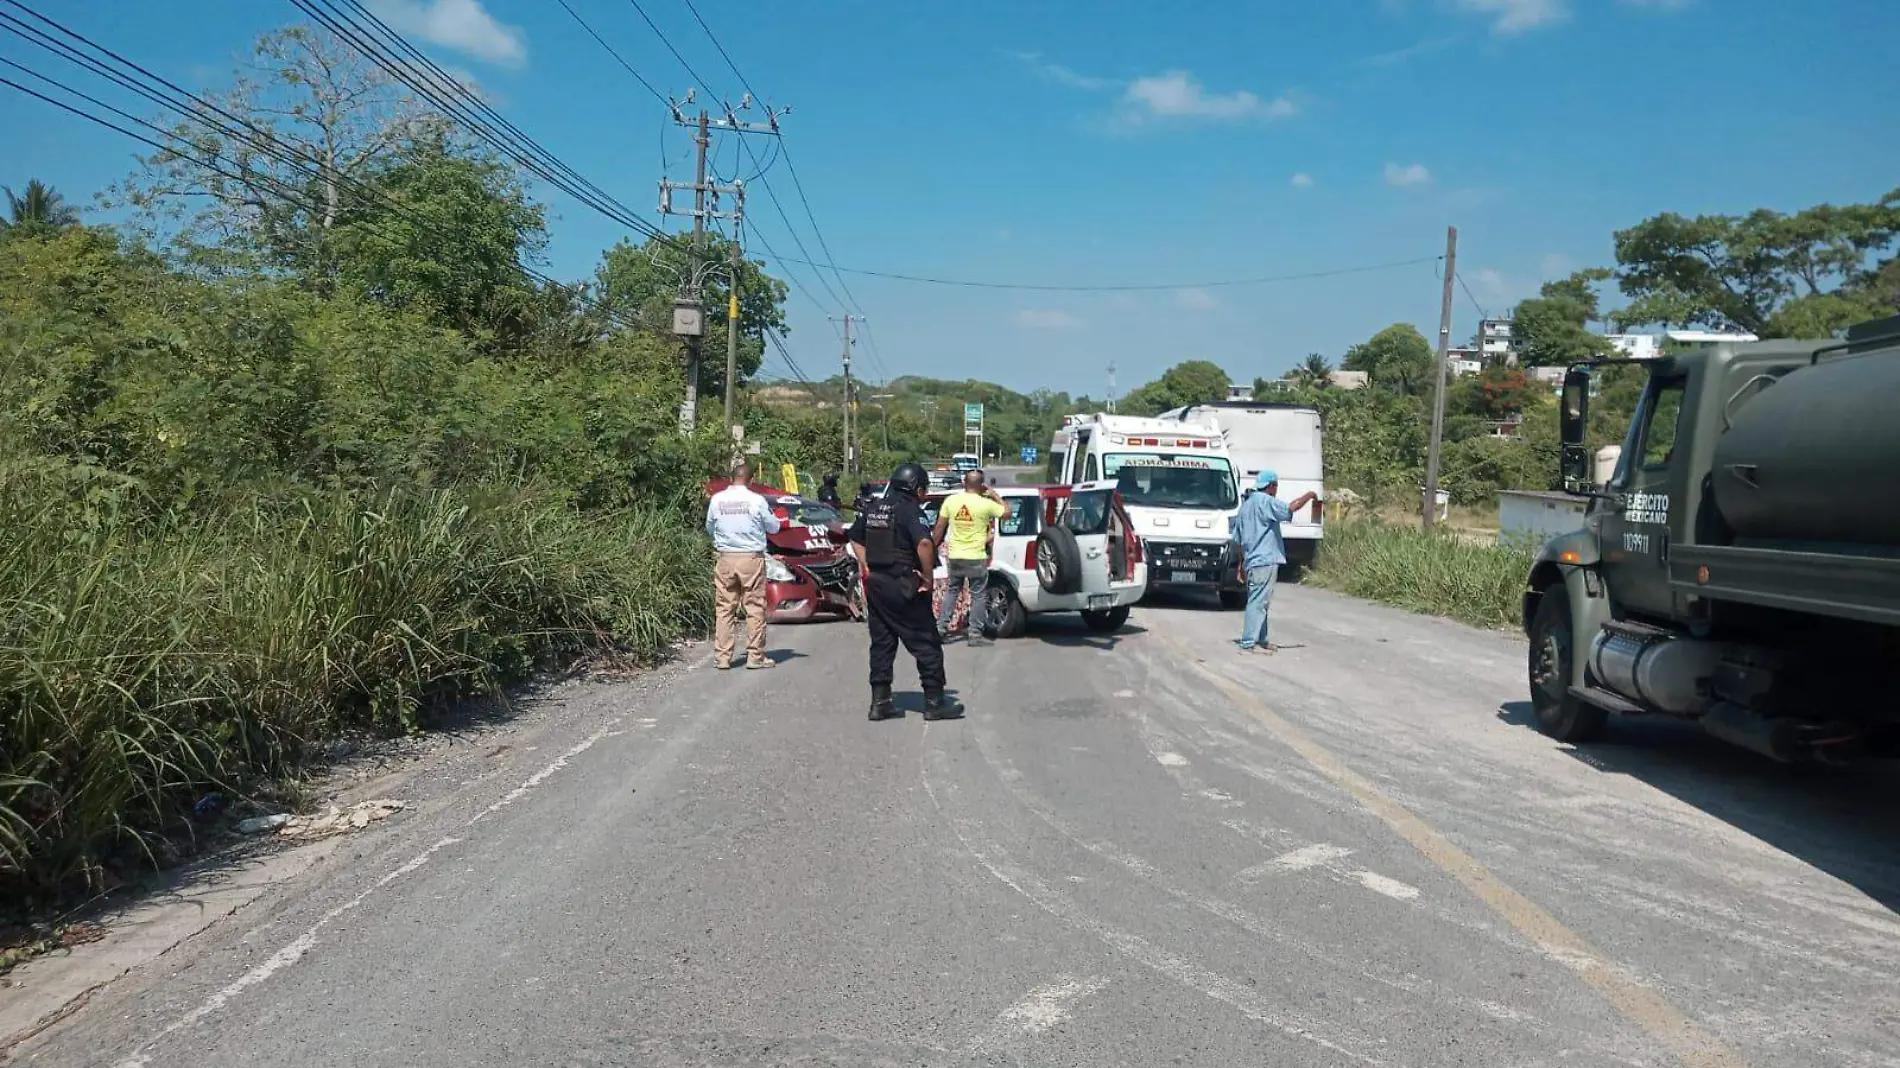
pixel 939 705
pixel 881 706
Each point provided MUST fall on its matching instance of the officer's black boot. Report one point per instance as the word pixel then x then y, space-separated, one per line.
pixel 939 705
pixel 881 706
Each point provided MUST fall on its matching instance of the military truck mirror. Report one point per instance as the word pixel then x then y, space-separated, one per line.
pixel 1574 466
pixel 1575 416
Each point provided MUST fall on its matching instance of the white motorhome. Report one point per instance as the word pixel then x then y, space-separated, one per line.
pixel 1288 439
pixel 1177 481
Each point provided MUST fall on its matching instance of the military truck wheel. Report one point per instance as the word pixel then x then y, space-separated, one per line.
pixel 1559 714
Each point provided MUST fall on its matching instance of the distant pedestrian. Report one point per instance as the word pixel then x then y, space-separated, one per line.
pixel 828 492
pixel 1262 549
pixel 739 523
pixel 896 555
pixel 966 528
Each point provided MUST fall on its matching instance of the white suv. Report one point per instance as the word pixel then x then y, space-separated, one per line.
pixel 1061 549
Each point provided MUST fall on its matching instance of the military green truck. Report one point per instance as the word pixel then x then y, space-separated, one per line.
pixel 1741 567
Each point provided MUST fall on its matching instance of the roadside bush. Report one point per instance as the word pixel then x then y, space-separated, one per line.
pixel 1439 573
pixel 142 664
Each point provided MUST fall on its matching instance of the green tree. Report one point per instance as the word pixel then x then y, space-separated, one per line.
pixel 638 283
pixel 317 119
pixel 1189 382
pixel 1552 329
pixel 1743 272
pixel 445 237
pixel 1397 360
pixel 36 209
pixel 1314 372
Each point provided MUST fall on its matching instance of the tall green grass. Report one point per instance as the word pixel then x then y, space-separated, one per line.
pixel 143 662
pixel 1438 573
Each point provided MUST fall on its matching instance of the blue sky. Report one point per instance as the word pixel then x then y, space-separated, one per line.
pixel 1122 142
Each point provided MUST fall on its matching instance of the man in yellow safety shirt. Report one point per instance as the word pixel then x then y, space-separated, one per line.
pixel 970 518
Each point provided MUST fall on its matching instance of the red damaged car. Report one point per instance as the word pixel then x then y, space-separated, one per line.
pixel 808 573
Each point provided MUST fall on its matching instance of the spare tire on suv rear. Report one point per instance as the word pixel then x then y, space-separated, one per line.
pixel 1059 561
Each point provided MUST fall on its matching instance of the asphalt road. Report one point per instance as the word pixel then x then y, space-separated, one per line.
pixel 1145 850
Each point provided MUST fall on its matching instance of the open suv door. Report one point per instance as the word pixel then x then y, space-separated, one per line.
pixel 1089 558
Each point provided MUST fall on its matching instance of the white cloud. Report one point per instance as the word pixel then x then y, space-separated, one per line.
pixel 1517 16
pixel 1408 174
pixel 1060 73
pixel 1490 284
pixel 1176 94
pixel 1046 319
pixel 1170 95
pixel 459 25
pixel 1197 299
pixel 1409 52
pixel 1302 180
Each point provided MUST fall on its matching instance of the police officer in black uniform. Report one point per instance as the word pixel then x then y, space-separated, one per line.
pixel 894 548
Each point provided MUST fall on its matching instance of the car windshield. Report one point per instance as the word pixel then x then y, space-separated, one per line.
pixel 814 514
pixel 1172 480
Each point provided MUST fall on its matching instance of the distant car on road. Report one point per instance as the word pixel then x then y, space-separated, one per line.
pixel 945 475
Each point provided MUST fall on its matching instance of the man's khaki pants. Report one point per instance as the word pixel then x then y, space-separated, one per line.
pixel 739 579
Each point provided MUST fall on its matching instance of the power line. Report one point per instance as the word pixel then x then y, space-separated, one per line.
pixel 1131 288
pixel 1482 314
pixel 762 167
pixel 850 298
pixel 380 44
pixel 830 260
pixel 644 17
pixel 263 141
pixel 730 65
pixel 598 39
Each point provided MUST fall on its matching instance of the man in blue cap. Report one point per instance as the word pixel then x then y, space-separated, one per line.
pixel 1256 533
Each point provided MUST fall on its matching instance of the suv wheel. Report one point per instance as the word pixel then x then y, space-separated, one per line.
pixel 1006 616
pixel 1233 600
pixel 1107 621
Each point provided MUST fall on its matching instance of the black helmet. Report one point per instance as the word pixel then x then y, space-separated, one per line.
pixel 831 478
pixel 910 478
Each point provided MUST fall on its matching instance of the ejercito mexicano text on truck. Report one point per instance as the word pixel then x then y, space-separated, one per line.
pixel 1741 567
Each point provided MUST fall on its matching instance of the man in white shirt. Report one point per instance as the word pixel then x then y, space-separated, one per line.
pixel 739 521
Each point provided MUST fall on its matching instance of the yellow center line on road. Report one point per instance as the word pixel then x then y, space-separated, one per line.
pixel 1672 1029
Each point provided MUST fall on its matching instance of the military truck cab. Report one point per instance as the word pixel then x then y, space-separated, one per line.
pixel 1741 567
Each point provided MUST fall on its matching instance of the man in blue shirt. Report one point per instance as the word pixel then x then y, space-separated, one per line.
pixel 1256 533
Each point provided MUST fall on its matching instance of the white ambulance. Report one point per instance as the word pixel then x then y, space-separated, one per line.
pixel 1177 481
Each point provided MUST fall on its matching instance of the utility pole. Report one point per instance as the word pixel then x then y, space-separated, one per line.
pixel 1111 387
pixel 849 452
pixel 689 410
pixel 1430 504
pixel 732 306
pixel 689 310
